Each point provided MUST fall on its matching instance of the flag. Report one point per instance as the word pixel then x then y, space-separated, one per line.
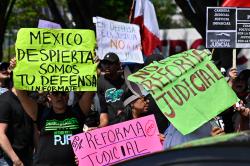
pixel 236 3
pixel 145 17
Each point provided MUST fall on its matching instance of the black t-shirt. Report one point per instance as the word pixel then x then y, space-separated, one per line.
pixel 54 146
pixel 20 126
pixel 110 96
pixel 227 117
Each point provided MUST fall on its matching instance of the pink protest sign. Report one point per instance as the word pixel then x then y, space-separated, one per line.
pixel 116 143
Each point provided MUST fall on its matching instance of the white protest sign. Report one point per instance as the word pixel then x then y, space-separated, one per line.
pixel 121 38
pixel 228 27
pixel 48 24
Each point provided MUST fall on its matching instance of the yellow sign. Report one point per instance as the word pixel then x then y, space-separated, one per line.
pixel 55 60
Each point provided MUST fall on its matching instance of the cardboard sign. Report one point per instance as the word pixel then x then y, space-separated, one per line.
pixel 228 27
pixel 121 38
pixel 116 143
pixel 55 60
pixel 188 88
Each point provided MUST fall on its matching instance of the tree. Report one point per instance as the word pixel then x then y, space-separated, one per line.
pixel 115 10
pixel 164 11
pixel 56 13
pixel 74 13
pixel 83 11
pixel 24 14
pixel 5 10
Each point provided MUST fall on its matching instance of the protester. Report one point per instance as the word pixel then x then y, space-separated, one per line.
pixel 16 131
pixel 240 85
pixel 241 88
pixel 56 124
pixel 174 137
pixel 229 116
pixel 161 120
pixel 135 105
pixel 110 88
pixel 243 118
pixel 4 77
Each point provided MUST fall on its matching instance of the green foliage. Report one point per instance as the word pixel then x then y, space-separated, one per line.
pixel 9 52
pixel 26 13
pixel 118 10
pixel 165 10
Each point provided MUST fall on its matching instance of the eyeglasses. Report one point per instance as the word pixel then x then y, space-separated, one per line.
pixel 59 93
pixel 142 98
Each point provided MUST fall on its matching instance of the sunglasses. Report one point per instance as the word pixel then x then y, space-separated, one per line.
pixel 59 93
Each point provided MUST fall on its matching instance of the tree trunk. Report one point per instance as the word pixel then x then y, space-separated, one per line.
pixel 5 10
pixel 82 12
pixel 56 14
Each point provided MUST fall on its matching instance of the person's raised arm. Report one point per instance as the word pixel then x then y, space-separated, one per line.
pixel 232 74
pixel 29 105
pixel 104 117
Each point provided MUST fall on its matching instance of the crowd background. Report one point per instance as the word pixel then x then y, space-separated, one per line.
pixel 31 122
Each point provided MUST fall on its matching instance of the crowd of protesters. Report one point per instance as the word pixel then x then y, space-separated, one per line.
pixel 35 126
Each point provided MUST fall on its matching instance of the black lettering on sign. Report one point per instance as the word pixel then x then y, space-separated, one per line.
pixel 123 151
pixel 27 79
pixel 35 36
pixel 55 39
pixel 89 140
pixel 77 143
pixel 61 69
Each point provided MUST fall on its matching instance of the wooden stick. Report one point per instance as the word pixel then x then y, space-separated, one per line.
pixel 131 11
pixel 234 58
pixel 213 51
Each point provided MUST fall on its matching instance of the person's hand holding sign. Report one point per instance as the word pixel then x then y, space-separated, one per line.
pixel 12 64
pixel 217 131
pixel 242 109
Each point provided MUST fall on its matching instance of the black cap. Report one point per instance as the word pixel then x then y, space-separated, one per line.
pixel 111 58
pixel 4 66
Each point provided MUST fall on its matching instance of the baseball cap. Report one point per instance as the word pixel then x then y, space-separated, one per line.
pixel 4 66
pixel 110 58
pixel 129 97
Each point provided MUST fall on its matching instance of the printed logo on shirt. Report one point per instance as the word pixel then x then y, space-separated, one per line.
pixel 62 129
pixel 66 124
pixel 3 90
pixel 219 122
pixel 112 95
pixel 62 139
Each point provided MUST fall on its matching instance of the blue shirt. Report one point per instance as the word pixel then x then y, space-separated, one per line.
pixel 174 137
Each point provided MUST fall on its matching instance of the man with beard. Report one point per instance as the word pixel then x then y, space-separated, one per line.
pixel 4 77
pixel 110 88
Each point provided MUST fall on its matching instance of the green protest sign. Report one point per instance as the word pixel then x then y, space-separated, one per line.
pixel 188 88
pixel 55 60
